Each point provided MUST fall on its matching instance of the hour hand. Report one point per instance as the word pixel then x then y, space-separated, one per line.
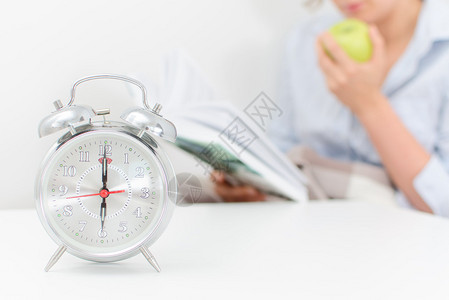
pixel 103 213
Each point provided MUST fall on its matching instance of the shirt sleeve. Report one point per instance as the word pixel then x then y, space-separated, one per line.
pixel 432 183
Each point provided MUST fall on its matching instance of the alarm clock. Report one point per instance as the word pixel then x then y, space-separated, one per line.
pixel 106 190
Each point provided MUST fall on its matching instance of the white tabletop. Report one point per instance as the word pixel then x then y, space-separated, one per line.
pixel 334 250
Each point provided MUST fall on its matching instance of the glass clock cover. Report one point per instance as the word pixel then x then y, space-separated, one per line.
pixel 137 194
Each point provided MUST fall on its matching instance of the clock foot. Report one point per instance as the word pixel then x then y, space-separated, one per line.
pixel 56 256
pixel 150 258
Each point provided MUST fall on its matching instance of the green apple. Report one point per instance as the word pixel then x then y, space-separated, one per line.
pixel 353 36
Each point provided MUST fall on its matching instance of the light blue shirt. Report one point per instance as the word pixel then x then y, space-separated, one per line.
pixel 417 88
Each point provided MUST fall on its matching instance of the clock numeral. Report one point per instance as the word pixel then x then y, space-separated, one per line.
pixel 138 212
pixel 84 156
pixel 145 193
pixel 68 211
pixel 69 171
pixel 107 148
pixel 126 159
pixel 123 227
pixel 83 225
pixel 63 189
pixel 140 172
pixel 102 233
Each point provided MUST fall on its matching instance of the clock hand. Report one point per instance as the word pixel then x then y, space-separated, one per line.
pixel 105 194
pixel 102 193
pixel 103 213
pixel 104 170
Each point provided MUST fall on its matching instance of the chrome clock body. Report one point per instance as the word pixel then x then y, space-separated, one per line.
pixel 106 190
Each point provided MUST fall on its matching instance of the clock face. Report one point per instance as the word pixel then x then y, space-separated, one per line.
pixel 99 215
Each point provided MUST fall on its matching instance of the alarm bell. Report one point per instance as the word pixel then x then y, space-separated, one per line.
pixel 145 119
pixel 64 117
pixel 150 120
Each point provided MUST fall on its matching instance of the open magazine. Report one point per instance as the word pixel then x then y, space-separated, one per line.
pixel 218 135
pixel 222 138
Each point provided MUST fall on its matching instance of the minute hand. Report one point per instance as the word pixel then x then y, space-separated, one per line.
pixel 104 170
pixel 104 179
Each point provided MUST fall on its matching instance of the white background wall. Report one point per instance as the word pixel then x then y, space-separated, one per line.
pixel 46 45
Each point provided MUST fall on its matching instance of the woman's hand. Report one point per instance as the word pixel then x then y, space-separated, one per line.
pixel 230 193
pixel 356 85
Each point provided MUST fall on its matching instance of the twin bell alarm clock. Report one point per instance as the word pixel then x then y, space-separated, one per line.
pixel 106 190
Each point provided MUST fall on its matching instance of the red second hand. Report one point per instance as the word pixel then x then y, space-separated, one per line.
pixel 98 194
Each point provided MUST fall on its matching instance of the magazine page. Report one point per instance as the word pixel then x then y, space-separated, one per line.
pixel 227 121
pixel 244 167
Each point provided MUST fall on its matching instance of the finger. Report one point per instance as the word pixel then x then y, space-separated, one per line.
pixel 259 197
pixel 338 54
pixel 250 194
pixel 327 65
pixel 238 194
pixel 218 177
pixel 254 195
pixel 378 43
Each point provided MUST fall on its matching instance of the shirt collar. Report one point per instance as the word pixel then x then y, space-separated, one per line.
pixel 432 27
pixel 434 19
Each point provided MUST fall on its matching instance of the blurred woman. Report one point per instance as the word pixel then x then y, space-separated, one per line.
pixel 391 111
